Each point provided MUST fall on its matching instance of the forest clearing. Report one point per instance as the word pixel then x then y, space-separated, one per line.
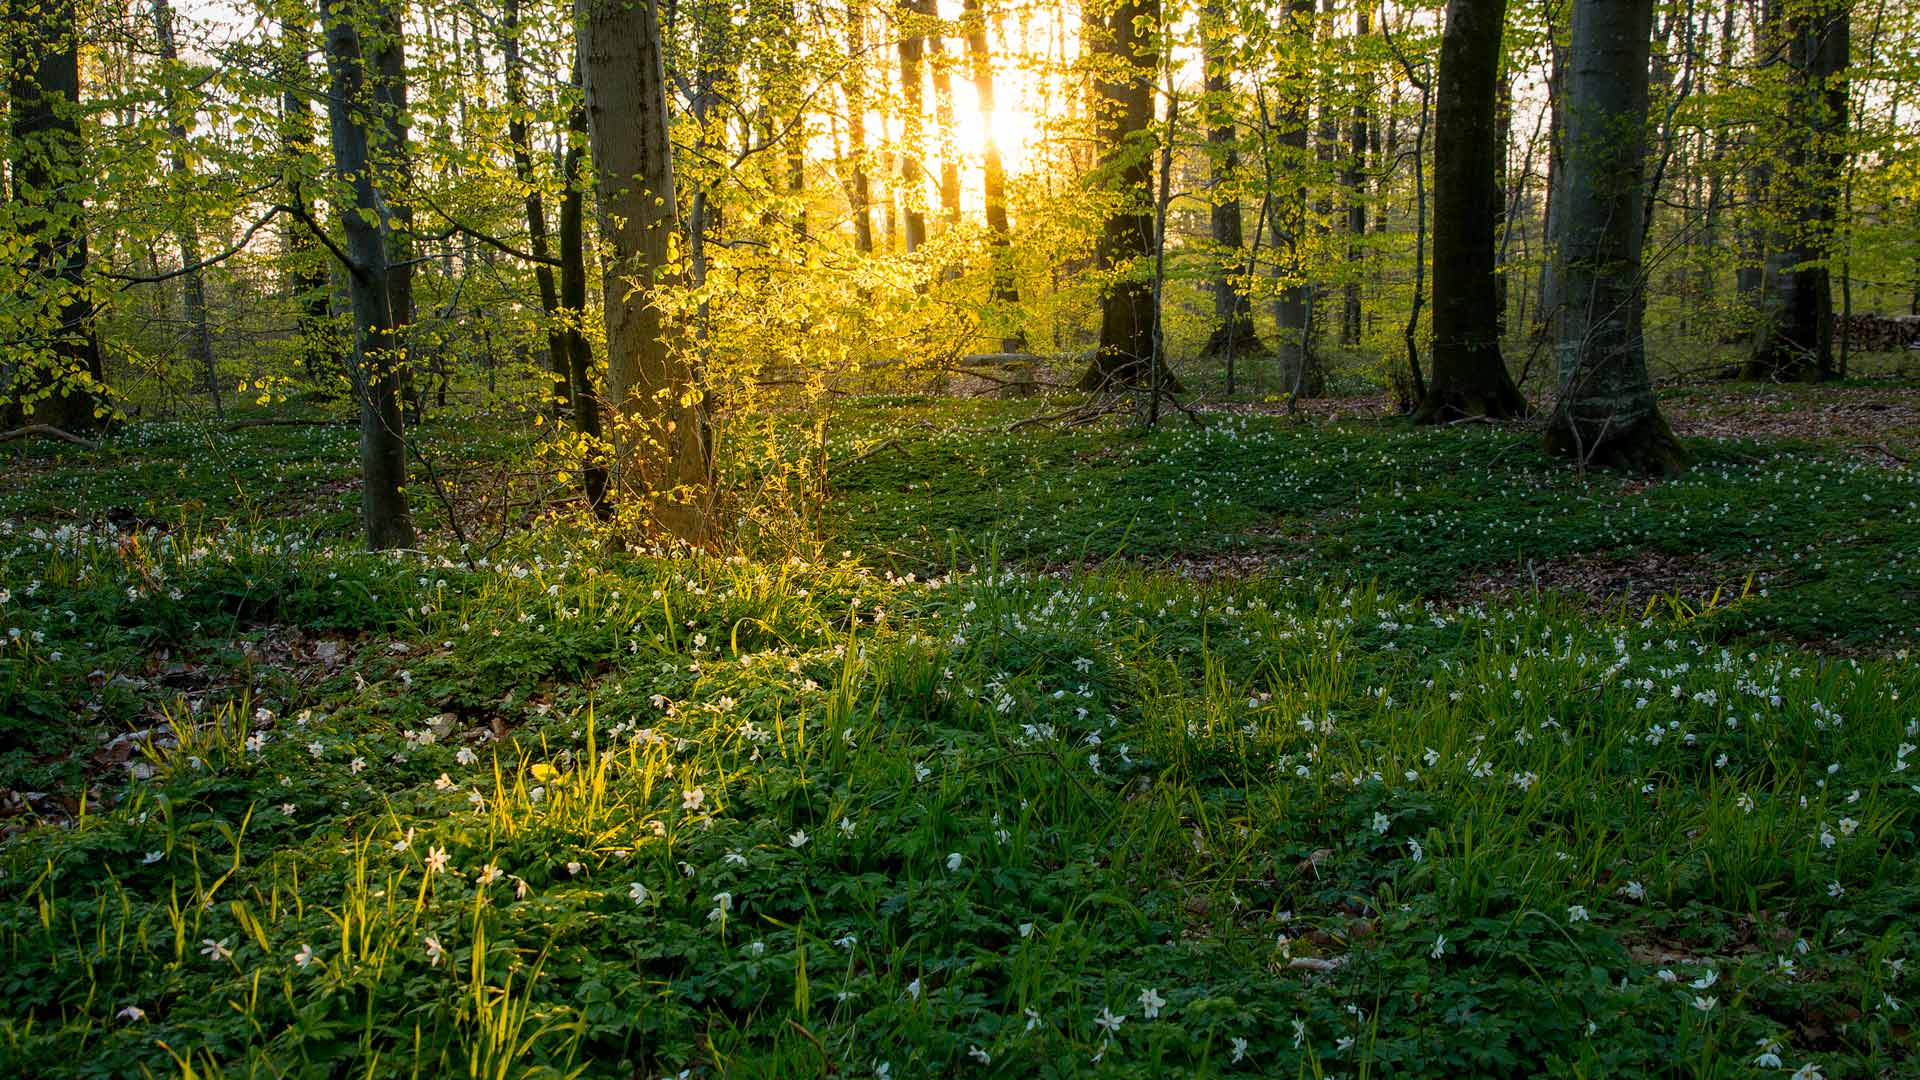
pixel 780 538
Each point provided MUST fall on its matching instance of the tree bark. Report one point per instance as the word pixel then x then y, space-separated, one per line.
pixel 1607 413
pixel 1292 305
pixel 1356 185
pixel 1128 58
pixel 662 437
pixel 308 281
pixel 392 157
pixel 861 196
pixel 376 381
pixel 1469 376
pixel 521 145
pixel 61 380
pixel 193 286
pixel 1233 331
pixel 999 229
pixel 913 178
pixel 573 309
pixel 1794 338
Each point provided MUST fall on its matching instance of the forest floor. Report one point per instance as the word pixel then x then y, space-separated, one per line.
pixel 1276 746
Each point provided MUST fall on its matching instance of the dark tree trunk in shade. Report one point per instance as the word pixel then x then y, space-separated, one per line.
pixel 1468 375
pixel 1299 366
pixel 1793 340
pixel 62 383
pixel 1355 180
pixel 1233 331
pixel 1606 414
pixel 573 308
pixel 376 381
pixel 1129 59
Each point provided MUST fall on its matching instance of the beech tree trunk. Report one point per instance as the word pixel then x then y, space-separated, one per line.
pixel 573 309
pixel 1468 375
pixel 1128 58
pixel 1607 413
pixel 913 177
pixel 61 381
pixel 521 145
pixel 861 196
pixel 193 285
pixel 1356 184
pixel 377 359
pixel 999 230
pixel 1233 331
pixel 1300 370
pixel 308 281
pixel 392 157
pixel 1794 338
pixel 663 455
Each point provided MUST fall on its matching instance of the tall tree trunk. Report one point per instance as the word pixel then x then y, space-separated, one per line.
pixel 193 285
pixel 1356 185
pixel 62 380
pixel 1794 339
pixel 1292 305
pixel 1607 413
pixel 1128 55
pixel 392 157
pixel 376 382
pixel 999 230
pixel 573 308
pixel 1469 376
pixel 521 144
pixel 1233 331
pixel 943 119
pixel 913 180
pixel 308 282
pixel 862 195
pixel 662 436
pixel 1749 280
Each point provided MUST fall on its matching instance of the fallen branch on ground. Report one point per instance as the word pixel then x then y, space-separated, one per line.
pixel 47 431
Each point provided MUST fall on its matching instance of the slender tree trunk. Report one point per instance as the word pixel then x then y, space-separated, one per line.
pixel 392 157
pixel 573 308
pixel 308 280
pixel 1607 413
pixel 1749 281
pixel 61 381
pixel 913 179
pixel 943 119
pixel 999 230
pixel 1794 339
pixel 1233 331
pixel 1469 375
pixel 521 145
pixel 862 195
pixel 1129 58
pixel 1356 185
pixel 193 285
pixel 376 383
pixel 1292 305
pixel 662 436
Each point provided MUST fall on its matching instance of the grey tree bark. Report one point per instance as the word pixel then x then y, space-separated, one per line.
pixel 663 456
pixel 1606 414
pixel 193 284
pixel 1233 331
pixel 367 225
pixel 1469 375
pixel 1793 340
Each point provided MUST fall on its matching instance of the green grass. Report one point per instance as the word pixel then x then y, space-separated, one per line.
pixel 1261 804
